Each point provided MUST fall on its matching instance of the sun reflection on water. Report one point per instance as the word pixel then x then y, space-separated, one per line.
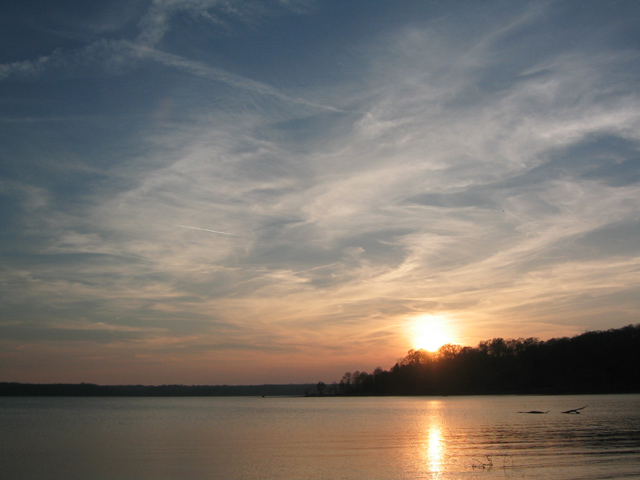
pixel 435 450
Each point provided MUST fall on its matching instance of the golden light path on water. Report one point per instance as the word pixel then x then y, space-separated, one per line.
pixel 433 442
pixel 435 450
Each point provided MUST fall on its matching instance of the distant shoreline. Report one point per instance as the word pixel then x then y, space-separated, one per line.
pixel 14 389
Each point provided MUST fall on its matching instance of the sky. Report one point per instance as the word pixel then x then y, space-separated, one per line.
pixel 249 192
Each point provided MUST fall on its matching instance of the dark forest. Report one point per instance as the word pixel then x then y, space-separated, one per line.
pixel 593 362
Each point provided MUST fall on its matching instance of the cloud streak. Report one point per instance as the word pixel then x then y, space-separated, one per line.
pixel 207 230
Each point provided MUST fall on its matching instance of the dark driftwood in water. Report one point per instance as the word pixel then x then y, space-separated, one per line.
pixel 536 412
pixel 576 411
pixel 482 464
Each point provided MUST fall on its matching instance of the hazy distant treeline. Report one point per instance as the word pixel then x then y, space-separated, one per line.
pixel 91 390
pixel 594 362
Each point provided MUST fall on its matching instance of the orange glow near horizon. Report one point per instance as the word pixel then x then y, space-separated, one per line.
pixel 430 332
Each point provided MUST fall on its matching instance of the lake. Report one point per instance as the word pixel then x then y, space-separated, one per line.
pixel 250 438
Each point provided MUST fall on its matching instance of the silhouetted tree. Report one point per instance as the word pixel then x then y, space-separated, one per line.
pixel 594 362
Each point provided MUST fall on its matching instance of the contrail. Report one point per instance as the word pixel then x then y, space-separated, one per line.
pixel 211 231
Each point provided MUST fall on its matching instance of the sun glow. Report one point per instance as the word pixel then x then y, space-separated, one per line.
pixel 430 332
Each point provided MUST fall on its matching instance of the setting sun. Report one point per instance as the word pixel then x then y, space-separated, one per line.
pixel 430 332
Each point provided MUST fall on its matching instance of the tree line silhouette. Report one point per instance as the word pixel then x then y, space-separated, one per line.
pixel 593 362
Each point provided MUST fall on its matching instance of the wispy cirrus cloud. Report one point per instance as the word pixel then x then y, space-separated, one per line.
pixel 490 177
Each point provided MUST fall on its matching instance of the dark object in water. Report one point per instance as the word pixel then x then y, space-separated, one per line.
pixel 576 411
pixel 536 412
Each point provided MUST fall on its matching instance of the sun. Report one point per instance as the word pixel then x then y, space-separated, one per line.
pixel 430 332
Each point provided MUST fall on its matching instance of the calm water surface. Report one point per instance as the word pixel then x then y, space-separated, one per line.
pixel 320 438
